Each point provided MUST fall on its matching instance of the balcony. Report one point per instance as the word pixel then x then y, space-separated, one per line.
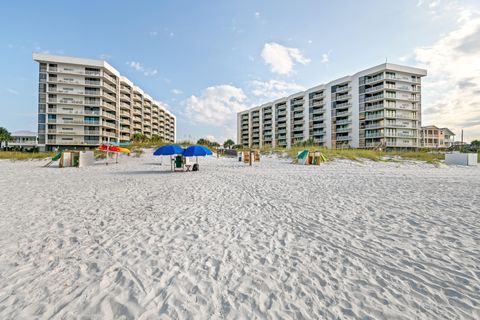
pixel 374 126
pixel 75 122
pixel 71 142
pixel 343 114
pixel 343 89
pixel 66 101
pixel 110 97
pixel 298 108
pixel 344 121
pixel 342 97
pixel 374 107
pixel 109 134
pixel 372 98
pixel 374 79
pixel 374 116
pixel 93 83
pixel 343 138
pixel 343 130
pixel 374 135
pixel 319 126
pixel 343 105
pixel 124 97
pixel 108 124
pixel 109 78
pixel 109 106
pixel 79 112
pixel 92 132
pixel 108 115
pixel 68 71
pixel 109 87
pixel 373 89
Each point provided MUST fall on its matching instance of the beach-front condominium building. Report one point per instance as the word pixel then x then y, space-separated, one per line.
pixel 376 107
pixel 434 137
pixel 83 103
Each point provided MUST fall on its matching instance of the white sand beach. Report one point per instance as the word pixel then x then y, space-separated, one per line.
pixel 275 241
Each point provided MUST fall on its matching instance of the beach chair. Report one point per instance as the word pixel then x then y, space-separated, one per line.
pixel 178 163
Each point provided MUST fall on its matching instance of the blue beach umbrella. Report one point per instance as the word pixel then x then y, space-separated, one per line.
pixel 197 151
pixel 168 150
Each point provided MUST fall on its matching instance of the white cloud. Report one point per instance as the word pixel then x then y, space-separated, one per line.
pixel 257 14
pixel 177 91
pixel 15 92
pixel 139 67
pixel 451 90
pixel 325 58
pixel 153 33
pixel 310 41
pixel 274 89
pixel 135 65
pixel 149 73
pixel 282 59
pixel 210 137
pixel 216 105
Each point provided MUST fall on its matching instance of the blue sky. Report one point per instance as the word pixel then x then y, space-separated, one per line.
pixel 206 60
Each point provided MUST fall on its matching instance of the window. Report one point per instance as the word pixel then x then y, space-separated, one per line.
pixel 67 139
pixel 67 129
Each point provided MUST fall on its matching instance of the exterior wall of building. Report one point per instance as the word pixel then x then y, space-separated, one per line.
pixel 376 107
pixel 84 103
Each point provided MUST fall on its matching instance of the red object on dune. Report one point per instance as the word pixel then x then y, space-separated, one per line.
pixel 109 148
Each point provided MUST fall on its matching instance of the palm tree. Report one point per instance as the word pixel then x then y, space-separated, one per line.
pixel 228 144
pixel 5 136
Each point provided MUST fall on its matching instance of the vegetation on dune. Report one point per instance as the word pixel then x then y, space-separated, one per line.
pixel 358 154
pixel 5 136
pixel 16 155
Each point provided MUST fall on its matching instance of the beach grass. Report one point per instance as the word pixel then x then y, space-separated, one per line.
pixel 17 155
pixel 362 154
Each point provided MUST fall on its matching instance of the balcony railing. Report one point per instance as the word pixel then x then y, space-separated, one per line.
pixel 108 124
pixel 374 107
pixel 108 115
pixel 82 112
pixel 377 78
pixel 376 88
pixel 379 96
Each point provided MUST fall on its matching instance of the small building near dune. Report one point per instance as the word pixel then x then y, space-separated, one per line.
pixel 24 140
pixel 437 138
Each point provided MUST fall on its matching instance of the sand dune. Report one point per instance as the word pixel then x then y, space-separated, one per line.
pixel 341 241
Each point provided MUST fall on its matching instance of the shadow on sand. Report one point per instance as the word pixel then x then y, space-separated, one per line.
pixel 144 172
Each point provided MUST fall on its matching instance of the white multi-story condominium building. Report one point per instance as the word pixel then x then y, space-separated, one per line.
pixel 434 137
pixel 376 107
pixel 84 103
